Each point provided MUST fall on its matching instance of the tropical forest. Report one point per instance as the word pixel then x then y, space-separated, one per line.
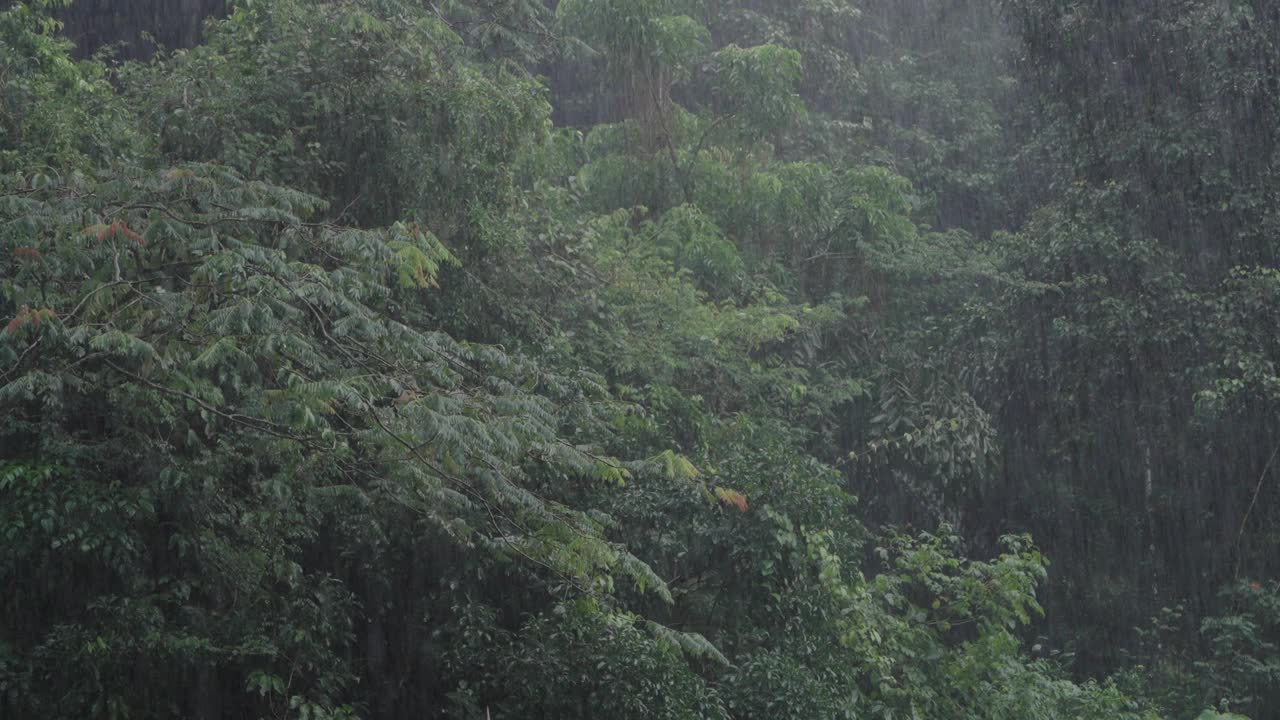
pixel 640 359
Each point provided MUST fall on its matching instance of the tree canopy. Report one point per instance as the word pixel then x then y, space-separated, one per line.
pixel 639 359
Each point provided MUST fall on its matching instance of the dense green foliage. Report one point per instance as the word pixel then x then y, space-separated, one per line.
pixel 643 359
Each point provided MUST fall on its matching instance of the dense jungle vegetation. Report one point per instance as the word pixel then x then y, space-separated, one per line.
pixel 640 359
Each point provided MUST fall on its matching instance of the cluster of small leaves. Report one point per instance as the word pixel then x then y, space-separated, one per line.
pixel 231 337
